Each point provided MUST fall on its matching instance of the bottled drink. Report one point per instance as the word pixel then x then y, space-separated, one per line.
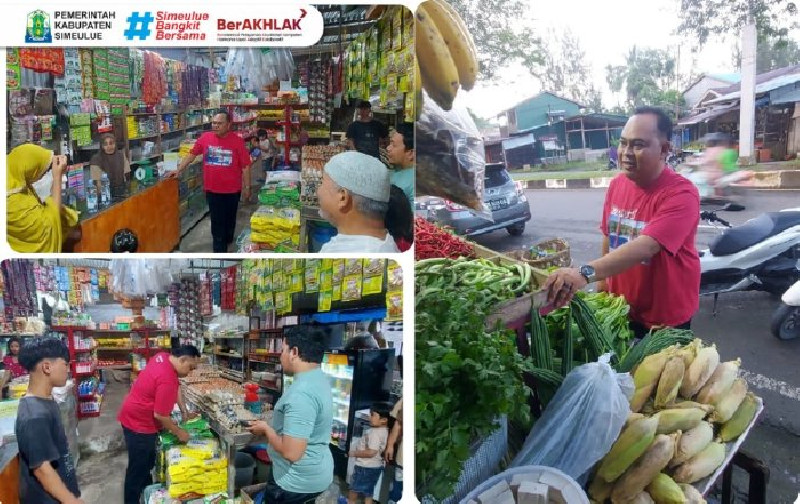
pixel 91 198
pixel 105 190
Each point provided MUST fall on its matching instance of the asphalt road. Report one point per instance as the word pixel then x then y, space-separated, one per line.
pixel 740 328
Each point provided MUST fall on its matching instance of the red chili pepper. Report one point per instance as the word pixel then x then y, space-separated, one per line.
pixel 431 241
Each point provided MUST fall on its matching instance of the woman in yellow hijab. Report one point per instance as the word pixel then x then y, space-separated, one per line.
pixel 33 225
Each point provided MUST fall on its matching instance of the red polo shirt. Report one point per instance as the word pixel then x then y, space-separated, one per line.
pixel 224 159
pixel 665 290
pixel 155 391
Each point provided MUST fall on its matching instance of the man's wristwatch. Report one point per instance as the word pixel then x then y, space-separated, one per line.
pixel 588 273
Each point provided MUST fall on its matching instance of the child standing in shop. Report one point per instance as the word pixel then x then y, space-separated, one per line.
pixel 369 455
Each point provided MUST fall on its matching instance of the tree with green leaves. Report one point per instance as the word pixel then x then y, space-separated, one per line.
pixel 566 72
pixel 646 78
pixel 500 38
pixel 771 53
pixel 702 18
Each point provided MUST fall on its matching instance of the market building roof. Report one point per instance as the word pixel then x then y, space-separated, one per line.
pixel 765 83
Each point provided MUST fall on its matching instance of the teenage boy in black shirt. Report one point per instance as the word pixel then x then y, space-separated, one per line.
pixel 47 471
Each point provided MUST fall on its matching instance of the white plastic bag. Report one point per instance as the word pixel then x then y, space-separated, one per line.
pixel 582 421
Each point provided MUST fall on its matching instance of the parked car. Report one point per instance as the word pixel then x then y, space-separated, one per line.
pixel 506 199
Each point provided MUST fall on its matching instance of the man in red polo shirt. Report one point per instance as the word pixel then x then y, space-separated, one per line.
pixel 650 219
pixel 147 410
pixel 226 176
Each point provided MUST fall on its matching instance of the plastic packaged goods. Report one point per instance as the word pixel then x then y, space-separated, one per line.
pixel 450 157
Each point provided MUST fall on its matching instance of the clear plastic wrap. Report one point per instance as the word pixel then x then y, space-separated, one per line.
pixel 581 422
pixel 450 156
pixel 259 67
pixel 138 278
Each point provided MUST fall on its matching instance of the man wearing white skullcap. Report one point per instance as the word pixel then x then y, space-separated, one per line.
pixel 354 197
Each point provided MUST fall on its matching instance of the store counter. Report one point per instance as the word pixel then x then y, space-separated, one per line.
pixel 9 473
pixel 150 211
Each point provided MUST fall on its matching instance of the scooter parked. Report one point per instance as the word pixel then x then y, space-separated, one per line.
pixel 786 320
pixel 763 254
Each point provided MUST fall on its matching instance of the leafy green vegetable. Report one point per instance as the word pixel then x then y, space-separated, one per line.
pixel 465 377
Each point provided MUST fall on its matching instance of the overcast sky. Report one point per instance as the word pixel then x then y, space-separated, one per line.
pixel 606 31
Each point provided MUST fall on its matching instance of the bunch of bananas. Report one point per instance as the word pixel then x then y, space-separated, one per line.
pixel 446 56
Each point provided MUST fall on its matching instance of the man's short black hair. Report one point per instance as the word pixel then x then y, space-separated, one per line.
pixel 407 130
pixel 262 133
pixel 186 351
pixel 383 409
pixel 365 104
pixel 36 350
pixel 225 113
pixel 310 341
pixel 664 121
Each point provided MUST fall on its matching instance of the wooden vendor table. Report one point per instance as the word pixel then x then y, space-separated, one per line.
pixel 150 212
pixel 9 474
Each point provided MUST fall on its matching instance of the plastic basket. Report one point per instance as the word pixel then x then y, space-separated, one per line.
pixel 559 259
pixel 576 493
pixel 483 463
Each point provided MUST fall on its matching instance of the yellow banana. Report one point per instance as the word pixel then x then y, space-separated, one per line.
pixel 439 72
pixel 457 38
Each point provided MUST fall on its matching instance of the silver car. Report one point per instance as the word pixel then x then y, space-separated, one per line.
pixel 505 198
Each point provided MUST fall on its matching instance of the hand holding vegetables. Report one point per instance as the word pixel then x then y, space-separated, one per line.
pixel 562 285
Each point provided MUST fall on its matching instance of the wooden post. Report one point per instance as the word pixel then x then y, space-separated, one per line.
pixel 608 135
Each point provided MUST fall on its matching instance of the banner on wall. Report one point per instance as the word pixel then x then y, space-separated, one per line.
pixel 151 24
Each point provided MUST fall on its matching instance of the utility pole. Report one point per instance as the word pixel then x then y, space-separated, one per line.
pixel 747 95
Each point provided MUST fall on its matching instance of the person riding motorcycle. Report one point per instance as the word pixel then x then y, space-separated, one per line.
pixel 718 162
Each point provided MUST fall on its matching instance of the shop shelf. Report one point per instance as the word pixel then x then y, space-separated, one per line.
pixel 116 367
pixel 146 158
pixel 145 137
pixel 237 356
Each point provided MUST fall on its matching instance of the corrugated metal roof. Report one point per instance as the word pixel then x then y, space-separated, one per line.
pixel 513 143
pixel 707 115
pixel 538 95
pixel 602 117
pixel 730 77
pixel 789 97
pixel 764 83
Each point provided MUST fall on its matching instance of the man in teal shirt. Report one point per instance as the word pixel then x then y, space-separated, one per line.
pixel 298 439
pixel 401 154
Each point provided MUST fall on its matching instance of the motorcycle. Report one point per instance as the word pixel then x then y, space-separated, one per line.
pixel 763 254
pixel 786 319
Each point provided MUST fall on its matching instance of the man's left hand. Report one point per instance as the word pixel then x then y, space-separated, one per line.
pixel 246 193
pixel 562 285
